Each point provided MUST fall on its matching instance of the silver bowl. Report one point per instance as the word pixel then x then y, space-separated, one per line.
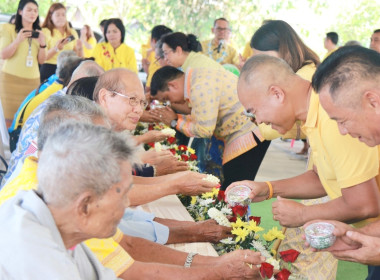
pixel 320 235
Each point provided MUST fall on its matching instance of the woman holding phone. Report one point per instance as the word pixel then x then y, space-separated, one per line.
pixel 23 47
pixel 59 36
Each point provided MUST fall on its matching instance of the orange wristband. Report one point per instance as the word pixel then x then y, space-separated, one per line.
pixel 270 190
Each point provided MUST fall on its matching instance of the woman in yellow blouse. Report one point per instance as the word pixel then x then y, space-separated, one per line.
pixel 88 41
pixel 113 53
pixel 59 36
pixel 22 50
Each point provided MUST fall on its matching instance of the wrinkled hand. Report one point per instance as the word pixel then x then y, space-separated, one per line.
pixel 192 183
pixel 153 157
pixel 259 190
pixel 342 242
pixel 155 136
pixel 234 265
pixel 170 165
pixel 288 212
pixel 165 115
pixel 210 231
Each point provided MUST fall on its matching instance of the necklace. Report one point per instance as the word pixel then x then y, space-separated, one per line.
pixel 210 52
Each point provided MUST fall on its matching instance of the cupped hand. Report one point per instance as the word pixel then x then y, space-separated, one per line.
pixel 170 165
pixel 193 183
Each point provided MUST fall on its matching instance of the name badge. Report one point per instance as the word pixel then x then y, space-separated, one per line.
pixel 29 61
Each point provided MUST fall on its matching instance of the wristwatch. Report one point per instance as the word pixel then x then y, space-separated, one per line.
pixel 173 123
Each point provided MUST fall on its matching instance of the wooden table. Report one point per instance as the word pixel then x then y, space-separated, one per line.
pixel 170 207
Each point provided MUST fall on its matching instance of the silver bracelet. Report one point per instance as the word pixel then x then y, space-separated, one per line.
pixel 189 259
pixel 154 171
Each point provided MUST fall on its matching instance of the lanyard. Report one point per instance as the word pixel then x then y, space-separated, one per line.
pixel 210 52
pixel 29 57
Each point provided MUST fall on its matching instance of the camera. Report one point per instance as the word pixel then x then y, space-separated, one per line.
pixel 35 34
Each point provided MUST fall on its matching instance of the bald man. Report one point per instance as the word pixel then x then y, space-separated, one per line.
pixel 344 168
pixel 348 83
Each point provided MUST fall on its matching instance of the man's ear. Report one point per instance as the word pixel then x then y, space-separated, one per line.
pixel 85 205
pixel 103 97
pixel 277 93
pixel 371 100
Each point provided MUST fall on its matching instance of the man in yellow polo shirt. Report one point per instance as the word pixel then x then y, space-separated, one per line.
pixel 217 48
pixel 349 86
pixel 343 168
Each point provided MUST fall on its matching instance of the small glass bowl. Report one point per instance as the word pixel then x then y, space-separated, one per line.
pixel 239 195
pixel 320 235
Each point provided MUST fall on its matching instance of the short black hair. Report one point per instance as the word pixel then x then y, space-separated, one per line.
pixel 103 22
pixel 119 24
pixel 376 31
pixel 344 66
pixel 159 30
pixel 83 87
pixel 162 77
pixel 333 36
pixel 222 18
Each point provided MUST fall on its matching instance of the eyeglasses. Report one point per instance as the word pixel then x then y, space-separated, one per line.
pixel 167 52
pixel 250 115
pixel 133 101
pixel 220 29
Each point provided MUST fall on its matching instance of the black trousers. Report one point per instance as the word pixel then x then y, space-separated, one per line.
pixel 373 272
pixel 245 166
pixel 46 70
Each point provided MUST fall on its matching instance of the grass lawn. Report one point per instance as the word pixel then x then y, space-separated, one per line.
pixel 346 270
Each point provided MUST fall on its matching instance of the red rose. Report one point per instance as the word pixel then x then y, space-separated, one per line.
pixel 266 270
pixel 239 210
pixel 172 140
pixel 289 255
pixel 151 127
pixel 232 219
pixel 193 157
pixel 151 144
pixel 173 151
pixel 256 219
pixel 182 148
pixel 283 274
pixel 221 195
pixel 184 157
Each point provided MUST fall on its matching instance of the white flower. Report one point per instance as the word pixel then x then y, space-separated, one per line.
pixel 218 217
pixel 168 131
pixel 212 179
pixel 226 211
pixel 260 248
pixel 274 262
pixel 205 202
pixel 158 147
pixel 228 241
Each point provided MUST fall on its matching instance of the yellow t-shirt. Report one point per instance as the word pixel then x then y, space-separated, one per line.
pixel 226 55
pixel 108 251
pixel 328 53
pixel 108 58
pixel 248 51
pixel 16 65
pixel 153 67
pixel 88 52
pixel 52 39
pixel 199 60
pixel 341 161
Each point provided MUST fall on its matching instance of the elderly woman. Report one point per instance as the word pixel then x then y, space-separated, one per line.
pixel 48 226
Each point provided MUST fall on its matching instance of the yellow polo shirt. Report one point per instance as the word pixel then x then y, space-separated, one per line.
pixel 341 161
pixel 107 57
pixel 52 39
pixel 226 55
pixel 248 51
pixel 108 251
pixel 16 65
pixel 199 60
pixel 153 67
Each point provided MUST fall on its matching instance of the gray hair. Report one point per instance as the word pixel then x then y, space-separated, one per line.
pixel 62 108
pixel 87 68
pixel 80 157
pixel 63 55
